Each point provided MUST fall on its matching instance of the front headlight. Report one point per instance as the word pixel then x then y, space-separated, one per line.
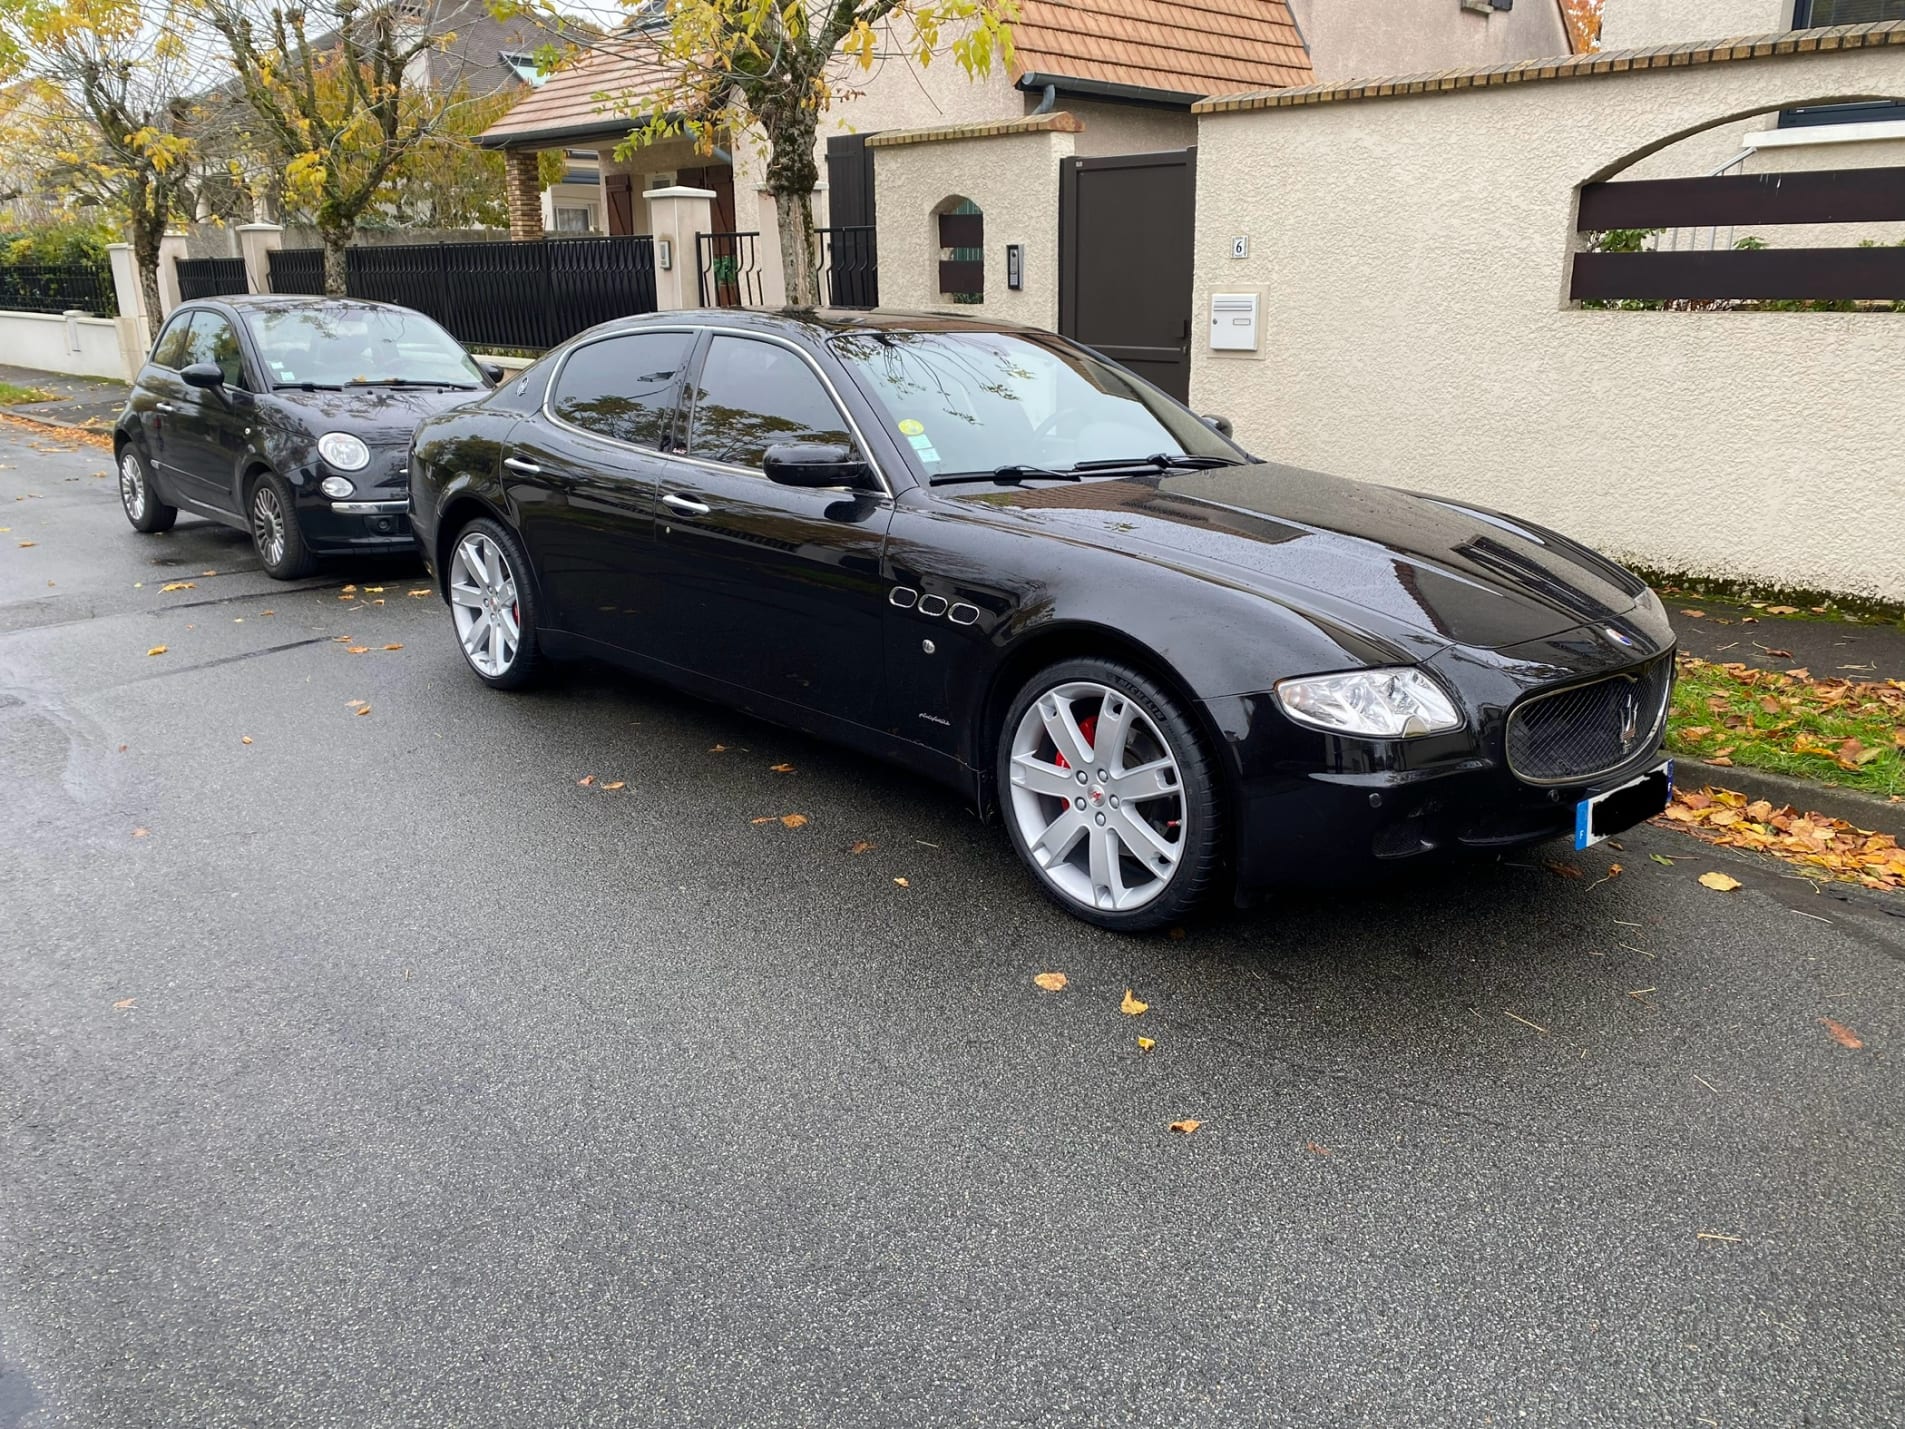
pixel 1388 704
pixel 343 451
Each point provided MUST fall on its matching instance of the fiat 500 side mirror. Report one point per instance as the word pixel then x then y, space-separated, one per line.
pixel 208 375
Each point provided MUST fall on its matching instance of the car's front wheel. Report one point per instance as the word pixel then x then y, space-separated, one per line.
pixel 1109 794
pixel 143 508
pixel 275 532
pixel 494 605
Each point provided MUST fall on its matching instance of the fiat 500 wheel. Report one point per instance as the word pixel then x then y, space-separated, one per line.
pixel 493 606
pixel 275 533
pixel 142 505
pixel 1109 795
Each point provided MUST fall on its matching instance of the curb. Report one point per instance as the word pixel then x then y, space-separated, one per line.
pixel 1863 811
pixel 47 419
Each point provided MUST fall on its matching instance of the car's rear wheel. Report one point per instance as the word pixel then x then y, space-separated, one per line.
pixel 1110 796
pixel 142 505
pixel 494 605
pixel 274 530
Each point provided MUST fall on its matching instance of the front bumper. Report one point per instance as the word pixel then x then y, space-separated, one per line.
pixel 374 527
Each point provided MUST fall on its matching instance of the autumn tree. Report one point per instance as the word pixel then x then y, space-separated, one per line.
pixel 776 67
pixel 336 88
pixel 100 111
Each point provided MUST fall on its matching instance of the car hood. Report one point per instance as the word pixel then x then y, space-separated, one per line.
pixel 376 415
pixel 1392 562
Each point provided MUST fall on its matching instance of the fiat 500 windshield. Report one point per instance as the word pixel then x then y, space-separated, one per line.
pixel 345 345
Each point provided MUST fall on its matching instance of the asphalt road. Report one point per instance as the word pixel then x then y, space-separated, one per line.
pixel 390 1077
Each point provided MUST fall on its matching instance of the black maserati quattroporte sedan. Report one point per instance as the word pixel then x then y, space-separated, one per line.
pixel 987 553
pixel 289 418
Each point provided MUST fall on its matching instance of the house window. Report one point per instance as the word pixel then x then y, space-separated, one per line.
pixel 1817 14
pixel 961 226
pixel 527 71
pixel 574 218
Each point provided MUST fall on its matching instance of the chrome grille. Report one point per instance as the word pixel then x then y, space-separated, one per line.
pixel 1576 733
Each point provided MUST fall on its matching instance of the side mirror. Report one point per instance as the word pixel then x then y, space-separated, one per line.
pixel 1220 425
pixel 815 464
pixel 207 375
pixel 492 371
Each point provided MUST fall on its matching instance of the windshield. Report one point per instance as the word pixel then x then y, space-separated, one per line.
pixel 341 344
pixel 977 401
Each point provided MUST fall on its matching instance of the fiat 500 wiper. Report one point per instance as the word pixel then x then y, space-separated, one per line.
pixel 411 382
pixel 307 386
pixel 1005 475
pixel 1163 461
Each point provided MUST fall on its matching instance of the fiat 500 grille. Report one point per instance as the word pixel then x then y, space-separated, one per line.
pixel 1588 730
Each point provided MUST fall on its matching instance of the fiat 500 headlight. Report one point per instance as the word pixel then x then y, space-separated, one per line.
pixel 344 451
pixel 1387 704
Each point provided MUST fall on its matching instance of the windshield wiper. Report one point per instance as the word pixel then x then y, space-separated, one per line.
pixel 1180 461
pixel 307 386
pixel 1005 475
pixel 411 382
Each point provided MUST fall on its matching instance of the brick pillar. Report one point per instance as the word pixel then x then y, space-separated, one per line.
pixel 524 193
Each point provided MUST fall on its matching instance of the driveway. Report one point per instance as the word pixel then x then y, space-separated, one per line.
pixel 377 1072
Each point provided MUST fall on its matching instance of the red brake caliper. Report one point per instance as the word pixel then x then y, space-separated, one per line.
pixel 1088 726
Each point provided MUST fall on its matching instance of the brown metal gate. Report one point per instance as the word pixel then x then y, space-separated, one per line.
pixel 1125 229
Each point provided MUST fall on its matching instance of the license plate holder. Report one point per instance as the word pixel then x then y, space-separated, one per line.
pixel 1615 810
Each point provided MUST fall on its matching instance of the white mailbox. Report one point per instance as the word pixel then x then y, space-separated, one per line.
pixel 1233 322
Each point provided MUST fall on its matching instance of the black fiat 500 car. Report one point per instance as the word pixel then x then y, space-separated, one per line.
pixel 290 418
pixel 989 554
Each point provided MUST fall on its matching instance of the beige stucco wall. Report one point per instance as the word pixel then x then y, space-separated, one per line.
pixel 1129 128
pixel 1013 178
pixel 1414 257
pixel 1355 39
pixel 1631 24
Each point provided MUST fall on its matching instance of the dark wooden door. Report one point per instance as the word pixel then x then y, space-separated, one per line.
pixel 621 194
pixel 1125 230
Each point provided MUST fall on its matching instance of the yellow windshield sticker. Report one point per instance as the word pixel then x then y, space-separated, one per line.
pixel 911 428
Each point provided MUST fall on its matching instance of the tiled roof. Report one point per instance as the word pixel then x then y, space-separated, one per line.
pixel 571 101
pixel 1182 47
pixel 1197 47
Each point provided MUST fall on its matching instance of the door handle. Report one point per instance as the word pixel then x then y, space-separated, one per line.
pixel 686 505
pixel 166 407
pixel 527 468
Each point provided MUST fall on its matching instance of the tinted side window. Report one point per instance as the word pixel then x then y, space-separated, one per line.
pixel 169 350
pixel 753 395
pixel 624 387
pixel 213 340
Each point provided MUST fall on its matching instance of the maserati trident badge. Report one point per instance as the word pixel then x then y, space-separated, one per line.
pixel 1630 723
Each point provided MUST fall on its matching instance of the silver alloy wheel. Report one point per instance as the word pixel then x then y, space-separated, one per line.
pixel 267 524
pixel 132 485
pixel 483 601
pixel 1097 796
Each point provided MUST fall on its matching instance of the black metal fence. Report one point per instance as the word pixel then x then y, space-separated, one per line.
pixel 58 288
pixel 211 277
pixel 522 295
pixel 850 267
pixel 730 269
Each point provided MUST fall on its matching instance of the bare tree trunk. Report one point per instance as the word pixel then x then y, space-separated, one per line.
pixel 336 264
pixel 145 258
pixel 800 260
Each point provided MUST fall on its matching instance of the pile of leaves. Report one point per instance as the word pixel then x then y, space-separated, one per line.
pixel 1833 847
pixel 1846 732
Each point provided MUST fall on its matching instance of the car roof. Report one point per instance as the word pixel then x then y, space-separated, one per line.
pixel 249 302
pixel 820 322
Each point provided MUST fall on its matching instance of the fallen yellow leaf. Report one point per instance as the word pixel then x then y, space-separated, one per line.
pixel 348 589
pixel 1841 1034
pixel 618 784
pixel 352 704
pixel 1145 1044
pixel 363 709
pixel 373 590
pixel 416 594
pixel 860 846
pixel 1719 882
pixel 586 780
pixel 141 833
pixel 793 821
pixel 717 749
pixel 781 768
pixel 1186 1126
pixel 355 649
pixel 1051 982
pixel 123 1004
pixel 208 573
pixel 903 883
pixel 393 647
pixel 179 585
pixel 267 612
pixel 25 544
pixel 156 650
pixel 1131 1007
pixel 244 739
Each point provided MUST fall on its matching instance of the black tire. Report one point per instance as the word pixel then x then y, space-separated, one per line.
pixel 138 498
pixel 1202 817
pixel 528 664
pixel 272 518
